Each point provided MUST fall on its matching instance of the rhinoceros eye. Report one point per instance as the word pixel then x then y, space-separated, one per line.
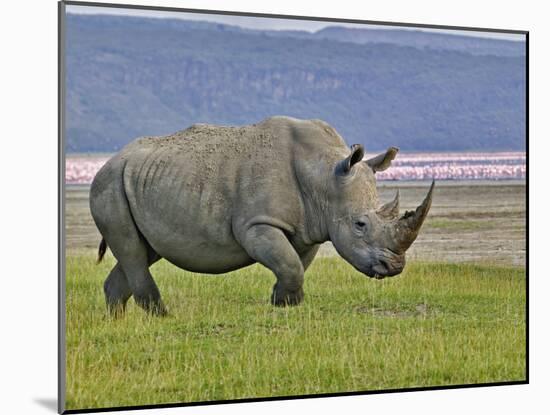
pixel 360 224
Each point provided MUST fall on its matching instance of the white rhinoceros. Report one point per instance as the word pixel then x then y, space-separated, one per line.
pixel 214 199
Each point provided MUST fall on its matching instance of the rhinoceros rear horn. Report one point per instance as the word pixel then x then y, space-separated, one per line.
pixel 407 227
pixel 390 210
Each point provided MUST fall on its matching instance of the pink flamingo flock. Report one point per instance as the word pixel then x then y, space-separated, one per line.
pixel 407 166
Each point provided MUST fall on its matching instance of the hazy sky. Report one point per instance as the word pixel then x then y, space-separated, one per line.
pixel 270 24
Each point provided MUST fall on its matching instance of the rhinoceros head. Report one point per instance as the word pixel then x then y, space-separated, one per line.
pixel 371 237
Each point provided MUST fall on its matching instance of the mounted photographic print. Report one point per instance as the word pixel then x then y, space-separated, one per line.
pixel 261 207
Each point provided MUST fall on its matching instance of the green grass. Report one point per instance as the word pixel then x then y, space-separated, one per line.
pixel 462 225
pixel 436 324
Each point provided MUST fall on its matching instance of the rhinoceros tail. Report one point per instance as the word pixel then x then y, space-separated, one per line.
pixel 102 250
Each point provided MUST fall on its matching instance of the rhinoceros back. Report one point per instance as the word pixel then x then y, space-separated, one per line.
pixel 188 192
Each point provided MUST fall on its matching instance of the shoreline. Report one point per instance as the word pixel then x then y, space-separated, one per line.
pixel 403 183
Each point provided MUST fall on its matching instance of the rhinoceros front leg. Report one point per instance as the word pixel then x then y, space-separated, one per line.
pixel 308 256
pixel 270 247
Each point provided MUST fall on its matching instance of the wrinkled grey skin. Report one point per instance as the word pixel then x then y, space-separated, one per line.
pixel 215 199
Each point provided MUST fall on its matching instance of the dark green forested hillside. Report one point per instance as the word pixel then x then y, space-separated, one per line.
pixel 128 77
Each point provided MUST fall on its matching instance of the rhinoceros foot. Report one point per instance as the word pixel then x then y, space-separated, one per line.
pixel 155 308
pixel 283 297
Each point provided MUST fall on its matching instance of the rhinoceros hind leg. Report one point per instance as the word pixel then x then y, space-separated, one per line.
pixel 117 291
pixel 111 213
pixel 141 283
pixel 132 273
pixel 270 247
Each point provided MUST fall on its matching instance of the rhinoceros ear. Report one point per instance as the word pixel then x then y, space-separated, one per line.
pixel 382 161
pixel 344 166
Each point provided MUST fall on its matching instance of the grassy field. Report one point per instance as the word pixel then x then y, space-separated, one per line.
pixel 457 321
pixel 437 324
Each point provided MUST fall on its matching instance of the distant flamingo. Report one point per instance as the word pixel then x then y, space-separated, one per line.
pixel 412 166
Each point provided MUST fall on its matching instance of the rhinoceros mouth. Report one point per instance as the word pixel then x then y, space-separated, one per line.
pixel 385 269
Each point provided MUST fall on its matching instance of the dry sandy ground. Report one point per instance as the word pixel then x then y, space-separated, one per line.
pixel 482 222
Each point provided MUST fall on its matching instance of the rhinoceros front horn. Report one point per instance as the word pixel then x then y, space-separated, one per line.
pixel 406 228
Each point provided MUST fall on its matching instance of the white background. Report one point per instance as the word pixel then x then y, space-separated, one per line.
pixel 28 203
